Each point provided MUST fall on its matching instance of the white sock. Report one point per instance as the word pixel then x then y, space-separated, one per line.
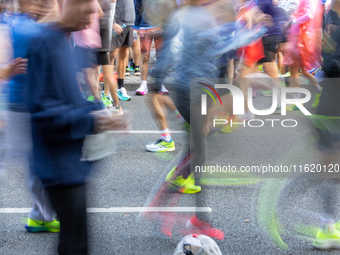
pixel 166 135
pixel 296 95
pixel 144 84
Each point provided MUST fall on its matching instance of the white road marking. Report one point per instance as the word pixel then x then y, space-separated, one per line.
pixel 144 132
pixel 122 209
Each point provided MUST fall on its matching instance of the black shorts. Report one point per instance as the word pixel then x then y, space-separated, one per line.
pixel 103 58
pixel 270 45
pixel 124 39
pixel 86 58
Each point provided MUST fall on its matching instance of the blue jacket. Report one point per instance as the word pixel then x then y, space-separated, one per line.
pixel 60 117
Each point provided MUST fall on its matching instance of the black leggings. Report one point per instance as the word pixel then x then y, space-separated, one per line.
pixel 70 205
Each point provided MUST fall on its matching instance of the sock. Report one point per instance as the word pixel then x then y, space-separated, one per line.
pixel 296 95
pixel 120 83
pixel 166 135
pixel 133 65
pixel 179 116
pixel 144 83
pixel 327 225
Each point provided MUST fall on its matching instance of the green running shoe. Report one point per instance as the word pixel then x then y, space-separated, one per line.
pixel 34 226
pixel 106 102
pixel 91 98
pixel 161 146
pixel 317 100
pixel 267 93
pixel 130 69
pixel 137 71
pixel 185 186
pixel 325 240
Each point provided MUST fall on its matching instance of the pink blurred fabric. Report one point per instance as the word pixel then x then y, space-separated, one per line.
pixel 90 37
pixel 304 38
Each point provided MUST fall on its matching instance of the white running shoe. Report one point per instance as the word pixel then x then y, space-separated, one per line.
pixel 164 91
pixel 142 90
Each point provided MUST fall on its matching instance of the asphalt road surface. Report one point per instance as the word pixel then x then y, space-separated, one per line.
pixel 125 179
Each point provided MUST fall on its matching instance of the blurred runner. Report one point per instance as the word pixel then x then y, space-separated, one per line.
pixel 18 137
pixel 124 20
pixel 61 120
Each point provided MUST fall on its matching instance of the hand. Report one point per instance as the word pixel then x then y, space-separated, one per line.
pixel 264 18
pixel 18 66
pixel 117 28
pixel 103 121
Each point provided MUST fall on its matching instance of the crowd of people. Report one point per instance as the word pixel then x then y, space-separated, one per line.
pixel 47 46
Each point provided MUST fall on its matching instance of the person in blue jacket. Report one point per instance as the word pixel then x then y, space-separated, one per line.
pixel 61 119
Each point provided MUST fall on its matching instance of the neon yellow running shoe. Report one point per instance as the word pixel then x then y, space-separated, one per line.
pixel 34 226
pixel 161 146
pixel 325 240
pixel 317 100
pixel 185 186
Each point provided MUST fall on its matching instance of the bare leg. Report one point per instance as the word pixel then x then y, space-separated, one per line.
pixel 121 61
pixel 111 84
pixel 145 65
pixel 136 51
pixel 91 77
pixel 230 71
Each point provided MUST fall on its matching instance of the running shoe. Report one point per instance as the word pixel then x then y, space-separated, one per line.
pixel 325 240
pixel 197 226
pixel 116 110
pixel 91 98
pixel 267 93
pixel 316 101
pixel 163 91
pixel 161 146
pixel 122 94
pixel 34 226
pixel 137 71
pixel 106 102
pixel 142 90
pixel 286 75
pixel 185 186
pixel 130 69
pixel 312 71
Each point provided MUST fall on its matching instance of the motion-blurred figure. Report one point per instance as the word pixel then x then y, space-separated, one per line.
pixel 60 121
pixel 18 137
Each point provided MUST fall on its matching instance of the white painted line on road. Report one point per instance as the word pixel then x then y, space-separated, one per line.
pixel 144 132
pixel 122 209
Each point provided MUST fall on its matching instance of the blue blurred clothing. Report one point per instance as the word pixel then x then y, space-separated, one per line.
pixel 60 117
pixel 140 14
pixel 23 28
pixel 268 8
